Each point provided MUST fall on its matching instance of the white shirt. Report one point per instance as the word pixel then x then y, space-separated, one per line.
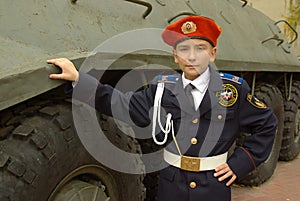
pixel 201 84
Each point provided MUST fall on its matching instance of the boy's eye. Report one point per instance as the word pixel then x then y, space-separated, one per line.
pixel 199 48
pixel 182 49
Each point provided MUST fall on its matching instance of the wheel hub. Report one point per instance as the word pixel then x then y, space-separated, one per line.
pixel 77 190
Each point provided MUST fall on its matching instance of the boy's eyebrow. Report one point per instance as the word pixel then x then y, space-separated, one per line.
pixel 201 45
pixel 197 45
pixel 182 45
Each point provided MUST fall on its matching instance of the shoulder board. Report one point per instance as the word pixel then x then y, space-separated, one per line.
pixel 233 78
pixel 168 78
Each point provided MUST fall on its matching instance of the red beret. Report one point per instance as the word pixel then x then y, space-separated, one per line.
pixel 192 27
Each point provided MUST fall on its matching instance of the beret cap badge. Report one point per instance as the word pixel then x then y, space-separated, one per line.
pixel 188 27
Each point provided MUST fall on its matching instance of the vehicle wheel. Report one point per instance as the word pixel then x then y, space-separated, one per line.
pixel 42 159
pixel 151 178
pixel 272 97
pixel 290 146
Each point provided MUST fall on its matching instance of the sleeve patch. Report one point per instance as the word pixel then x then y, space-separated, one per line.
pixel 255 102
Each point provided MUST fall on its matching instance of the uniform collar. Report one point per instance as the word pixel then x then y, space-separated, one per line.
pixel 201 82
pixel 215 82
pixel 209 100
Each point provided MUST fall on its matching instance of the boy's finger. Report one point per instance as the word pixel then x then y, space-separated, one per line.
pixel 56 76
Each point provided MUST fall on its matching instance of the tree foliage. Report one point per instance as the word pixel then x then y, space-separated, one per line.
pixel 292 16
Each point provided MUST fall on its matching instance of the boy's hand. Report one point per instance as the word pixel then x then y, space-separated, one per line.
pixel 69 72
pixel 223 172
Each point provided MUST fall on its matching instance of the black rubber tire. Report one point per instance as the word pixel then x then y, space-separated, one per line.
pixel 290 146
pixel 272 97
pixel 39 149
pixel 151 179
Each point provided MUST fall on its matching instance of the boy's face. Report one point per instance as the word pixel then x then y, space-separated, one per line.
pixel 193 57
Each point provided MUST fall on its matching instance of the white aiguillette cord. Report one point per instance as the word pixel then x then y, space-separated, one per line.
pixel 156 117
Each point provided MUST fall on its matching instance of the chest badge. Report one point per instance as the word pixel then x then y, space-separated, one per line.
pixel 228 96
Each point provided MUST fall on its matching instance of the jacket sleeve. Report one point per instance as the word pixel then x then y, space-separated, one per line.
pixel 132 108
pixel 261 124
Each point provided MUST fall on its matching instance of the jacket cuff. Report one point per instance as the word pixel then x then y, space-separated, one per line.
pixel 85 88
pixel 241 162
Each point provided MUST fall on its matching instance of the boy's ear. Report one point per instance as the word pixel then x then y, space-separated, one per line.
pixel 213 54
pixel 175 56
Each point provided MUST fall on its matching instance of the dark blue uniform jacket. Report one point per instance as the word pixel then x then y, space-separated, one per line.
pixel 226 110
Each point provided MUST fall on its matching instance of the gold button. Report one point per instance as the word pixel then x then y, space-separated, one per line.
pixel 195 121
pixel 220 116
pixel 193 184
pixel 194 140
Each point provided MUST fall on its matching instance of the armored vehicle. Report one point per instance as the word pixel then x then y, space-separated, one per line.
pixel 41 155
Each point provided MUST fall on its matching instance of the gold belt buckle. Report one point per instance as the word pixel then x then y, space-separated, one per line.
pixel 190 163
